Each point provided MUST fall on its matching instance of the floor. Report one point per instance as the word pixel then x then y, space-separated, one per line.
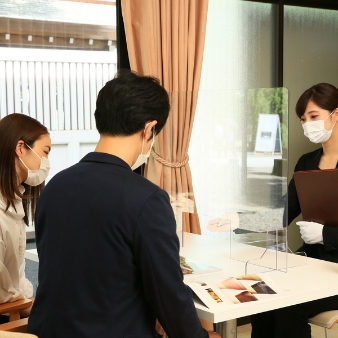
pixel 244 331
pixel 32 267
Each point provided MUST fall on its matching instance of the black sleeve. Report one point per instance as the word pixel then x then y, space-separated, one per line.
pixel 292 207
pixel 330 238
pixel 157 251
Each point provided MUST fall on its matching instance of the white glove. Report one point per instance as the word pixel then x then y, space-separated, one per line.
pixel 311 232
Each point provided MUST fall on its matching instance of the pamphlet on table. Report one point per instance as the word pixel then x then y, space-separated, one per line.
pixel 192 267
pixel 215 293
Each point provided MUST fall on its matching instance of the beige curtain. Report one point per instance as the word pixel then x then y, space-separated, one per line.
pixel 165 39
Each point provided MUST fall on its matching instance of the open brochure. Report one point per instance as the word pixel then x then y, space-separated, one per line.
pixel 192 267
pixel 234 290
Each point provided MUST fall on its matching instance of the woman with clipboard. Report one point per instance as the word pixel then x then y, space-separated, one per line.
pixel 317 109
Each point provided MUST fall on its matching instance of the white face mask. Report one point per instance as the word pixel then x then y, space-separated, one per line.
pixel 316 132
pixel 142 158
pixel 36 177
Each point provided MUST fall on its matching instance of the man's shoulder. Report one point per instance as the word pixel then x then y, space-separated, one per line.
pixel 92 164
pixel 113 175
pixel 65 172
pixel 142 185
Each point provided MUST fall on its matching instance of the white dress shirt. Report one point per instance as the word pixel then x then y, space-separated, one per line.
pixel 13 283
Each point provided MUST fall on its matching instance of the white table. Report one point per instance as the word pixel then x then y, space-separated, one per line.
pixel 32 254
pixel 317 279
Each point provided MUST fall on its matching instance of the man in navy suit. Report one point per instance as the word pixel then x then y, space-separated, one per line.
pixel 106 236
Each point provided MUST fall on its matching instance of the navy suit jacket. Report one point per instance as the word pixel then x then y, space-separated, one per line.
pixel 328 251
pixel 109 257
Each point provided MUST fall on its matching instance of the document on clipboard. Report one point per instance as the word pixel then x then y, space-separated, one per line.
pixel 317 192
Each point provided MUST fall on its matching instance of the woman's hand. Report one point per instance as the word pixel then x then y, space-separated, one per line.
pixel 213 334
pixel 311 232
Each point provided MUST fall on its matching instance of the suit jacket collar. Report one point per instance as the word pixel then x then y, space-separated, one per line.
pixel 105 158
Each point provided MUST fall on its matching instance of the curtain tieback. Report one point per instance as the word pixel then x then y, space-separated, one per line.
pixel 166 163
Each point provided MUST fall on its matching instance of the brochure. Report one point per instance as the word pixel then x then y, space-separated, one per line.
pixel 234 290
pixel 192 267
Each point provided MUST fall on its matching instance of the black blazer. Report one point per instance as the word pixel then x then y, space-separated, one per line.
pixel 109 257
pixel 328 251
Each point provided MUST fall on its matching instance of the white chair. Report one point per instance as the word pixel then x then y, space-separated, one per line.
pixel 327 320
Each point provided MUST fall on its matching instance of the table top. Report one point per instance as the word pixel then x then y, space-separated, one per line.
pixel 32 254
pixel 306 280
pixel 309 280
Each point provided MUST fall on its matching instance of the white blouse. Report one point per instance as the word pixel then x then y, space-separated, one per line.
pixel 13 283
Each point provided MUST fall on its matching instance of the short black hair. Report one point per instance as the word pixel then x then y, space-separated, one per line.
pixel 324 95
pixel 127 102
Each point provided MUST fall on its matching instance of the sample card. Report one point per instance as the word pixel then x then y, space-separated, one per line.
pixel 234 290
pixel 192 267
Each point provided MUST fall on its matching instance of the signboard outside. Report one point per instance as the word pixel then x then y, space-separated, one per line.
pixel 268 137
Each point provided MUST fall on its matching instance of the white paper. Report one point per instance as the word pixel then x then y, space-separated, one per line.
pixel 217 293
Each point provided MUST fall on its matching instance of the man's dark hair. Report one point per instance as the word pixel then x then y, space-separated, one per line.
pixel 126 103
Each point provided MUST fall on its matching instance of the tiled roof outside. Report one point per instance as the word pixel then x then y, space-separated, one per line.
pixel 59 11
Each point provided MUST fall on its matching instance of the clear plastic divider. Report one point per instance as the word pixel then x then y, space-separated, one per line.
pixel 238 157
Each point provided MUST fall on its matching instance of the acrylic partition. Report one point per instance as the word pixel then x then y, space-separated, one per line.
pixel 238 156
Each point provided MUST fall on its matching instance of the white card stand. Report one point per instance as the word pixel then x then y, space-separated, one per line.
pixel 181 204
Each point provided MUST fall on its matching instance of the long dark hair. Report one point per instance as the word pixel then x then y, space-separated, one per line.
pixel 323 95
pixel 13 128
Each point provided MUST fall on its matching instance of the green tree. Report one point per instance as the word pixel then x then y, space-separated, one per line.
pixel 267 101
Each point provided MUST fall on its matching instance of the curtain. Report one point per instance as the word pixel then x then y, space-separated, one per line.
pixel 165 39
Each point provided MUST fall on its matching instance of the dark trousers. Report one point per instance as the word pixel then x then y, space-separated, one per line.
pixel 292 321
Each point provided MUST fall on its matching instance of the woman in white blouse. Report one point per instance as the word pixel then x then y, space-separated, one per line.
pixel 24 147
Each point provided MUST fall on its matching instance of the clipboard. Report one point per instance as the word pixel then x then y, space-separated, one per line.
pixel 318 194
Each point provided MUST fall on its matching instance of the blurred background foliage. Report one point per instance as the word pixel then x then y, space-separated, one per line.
pixel 267 101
